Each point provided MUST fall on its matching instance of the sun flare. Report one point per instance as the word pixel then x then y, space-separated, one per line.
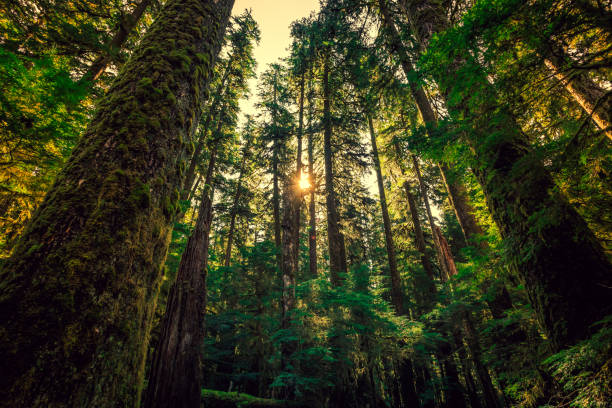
pixel 304 181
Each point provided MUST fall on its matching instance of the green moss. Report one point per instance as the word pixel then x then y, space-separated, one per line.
pixel 141 195
pixel 220 399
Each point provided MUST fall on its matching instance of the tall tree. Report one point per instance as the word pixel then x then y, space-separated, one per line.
pixel 79 291
pixel 175 379
pixel 566 302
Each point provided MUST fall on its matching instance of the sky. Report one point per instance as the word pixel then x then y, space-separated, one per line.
pixel 274 18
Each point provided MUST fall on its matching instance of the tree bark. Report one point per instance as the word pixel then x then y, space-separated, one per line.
pixel 337 251
pixel 175 379
pixel 416 223
pixel 312 220
pixel 127 24
pixel 79 291
pixel 289 264
pixel 396 282
pixel 275 189
pixel 432 223
pixel 298 173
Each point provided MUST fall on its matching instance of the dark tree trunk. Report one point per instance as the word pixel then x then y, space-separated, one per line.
pixel 275 187
pixel 432 224
pixel 289 265
pixel 127 24
pixel 337 251
pixel 175 379
pixel 312 220
pixel 79 292
pixel 561 263
pixel 416 222
pixel 458 197
pixel 410 397
pixel 235 203
pixel 452 387
pixel 490 394
pixel 470 384
pixel 396 283
pixel 298 172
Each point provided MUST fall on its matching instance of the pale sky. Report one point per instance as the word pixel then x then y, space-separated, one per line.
pixel 274 18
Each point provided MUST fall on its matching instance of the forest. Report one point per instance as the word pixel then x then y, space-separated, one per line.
pixel 417 212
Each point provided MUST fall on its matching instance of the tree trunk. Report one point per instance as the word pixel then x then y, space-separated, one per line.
pixel 175 379
pixel 79 292
pixel 236 201
pixel 416 223
pixel 275 189
pixel 337 251
pixel 432 224
pixel 312 220
pixel 289 264
pixel 396 283
pixel 450 378
pixel 298 172
pixel 127 24
pixel 471 336
pixel 559 260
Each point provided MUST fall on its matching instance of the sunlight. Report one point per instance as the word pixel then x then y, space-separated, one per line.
pixel 304 181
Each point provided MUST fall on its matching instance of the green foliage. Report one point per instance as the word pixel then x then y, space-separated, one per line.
pixel 585 370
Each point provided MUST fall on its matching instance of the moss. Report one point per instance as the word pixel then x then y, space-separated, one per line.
pixel 85 274
pixel 220 399
pixel 141 196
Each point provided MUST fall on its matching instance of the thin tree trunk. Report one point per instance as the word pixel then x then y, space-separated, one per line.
pixel 289 265
pixel 396 283
pixel 300 133
pixel 127 24
pixel 471 336
pixel 175 379
pixel 312 220
pixel 236 201
pixel 78 293
pixel 432 224
pixel 275 189
pixel 595 101
pixel 414 213
pixel 337 251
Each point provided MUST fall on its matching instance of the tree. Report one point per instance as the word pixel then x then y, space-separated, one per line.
pixel 79 290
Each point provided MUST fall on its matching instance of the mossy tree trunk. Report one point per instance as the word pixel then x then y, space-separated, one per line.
pixel 175 379
pixel 78 293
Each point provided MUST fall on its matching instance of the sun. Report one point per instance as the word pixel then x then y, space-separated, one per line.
pixel 304 181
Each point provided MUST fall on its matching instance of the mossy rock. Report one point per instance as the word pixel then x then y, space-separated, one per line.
pixel 220 399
